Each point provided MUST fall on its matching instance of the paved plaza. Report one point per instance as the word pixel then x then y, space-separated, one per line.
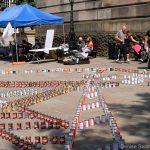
pixel 129 105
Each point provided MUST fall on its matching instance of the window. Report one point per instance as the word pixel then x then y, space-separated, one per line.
pixel 6 2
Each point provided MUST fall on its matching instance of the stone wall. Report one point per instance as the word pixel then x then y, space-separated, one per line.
pixel 100 19
pixel 101 40
pixel 107 15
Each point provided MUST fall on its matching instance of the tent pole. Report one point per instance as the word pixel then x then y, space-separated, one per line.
pixel 64 33
pixel 16 44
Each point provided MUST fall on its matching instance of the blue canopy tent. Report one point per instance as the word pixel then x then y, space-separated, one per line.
pixel 26 16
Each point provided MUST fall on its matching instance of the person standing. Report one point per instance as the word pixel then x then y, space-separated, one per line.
pixel 128 40
pixel 147 46
pixel 120 39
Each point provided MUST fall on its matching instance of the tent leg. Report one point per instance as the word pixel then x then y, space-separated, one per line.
pixel 16 45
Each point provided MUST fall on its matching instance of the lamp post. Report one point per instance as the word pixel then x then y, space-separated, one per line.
pixel 9 3
pixel 72 36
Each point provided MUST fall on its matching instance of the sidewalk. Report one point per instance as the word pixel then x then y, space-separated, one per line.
pixel 128 103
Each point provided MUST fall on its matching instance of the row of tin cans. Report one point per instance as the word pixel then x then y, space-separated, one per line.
pixel 92 122
pixel 53 120
pixel 112 123
pixel 93 105
pixel 75 124
pixel 20 92
pixel 29 125
pixel 20 141
pixel 36 98
pixel 70 70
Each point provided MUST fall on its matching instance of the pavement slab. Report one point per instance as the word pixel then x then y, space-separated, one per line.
pixel 128 103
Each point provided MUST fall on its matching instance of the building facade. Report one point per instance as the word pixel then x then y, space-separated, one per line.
pixel 7 3
pixel 102 15
pixel 101 19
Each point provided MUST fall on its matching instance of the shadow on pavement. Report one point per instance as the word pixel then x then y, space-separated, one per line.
pixel 138 117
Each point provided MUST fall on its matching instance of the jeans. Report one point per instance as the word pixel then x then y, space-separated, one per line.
pixel 121 48
pixel 87 50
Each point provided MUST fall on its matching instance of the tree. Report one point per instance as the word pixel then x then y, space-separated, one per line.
pixel 18 2
pixel 30 2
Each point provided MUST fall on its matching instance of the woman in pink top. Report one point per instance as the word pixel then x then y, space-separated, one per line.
pixel 89 45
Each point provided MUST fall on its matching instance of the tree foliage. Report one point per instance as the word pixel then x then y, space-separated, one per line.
pixel 19 2
pixel 30 2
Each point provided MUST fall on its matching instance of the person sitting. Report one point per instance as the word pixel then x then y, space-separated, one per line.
pixel 81 43
pixel 26 46
pixel 89 46
pixel 37 44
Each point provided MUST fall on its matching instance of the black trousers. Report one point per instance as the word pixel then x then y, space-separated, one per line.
pixel 121 50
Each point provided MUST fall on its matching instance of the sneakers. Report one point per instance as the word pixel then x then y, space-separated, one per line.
pixel 141 60
pixel 128 60
pixel 117 60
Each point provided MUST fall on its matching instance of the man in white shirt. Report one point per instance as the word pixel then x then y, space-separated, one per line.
pixel 120 37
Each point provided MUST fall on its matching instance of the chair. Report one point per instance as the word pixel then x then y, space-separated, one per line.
pixel 48 45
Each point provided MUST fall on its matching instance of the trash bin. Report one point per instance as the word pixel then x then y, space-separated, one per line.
pixel 112 50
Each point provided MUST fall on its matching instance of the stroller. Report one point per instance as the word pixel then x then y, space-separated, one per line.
pixel 140 53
